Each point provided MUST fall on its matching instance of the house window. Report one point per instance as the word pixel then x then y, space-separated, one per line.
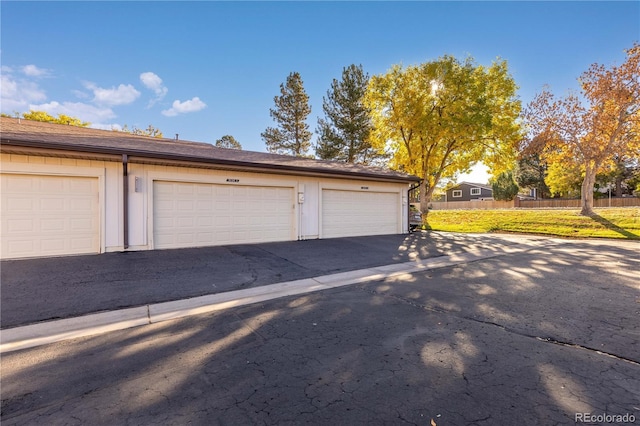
pixel 475 191
pixel 457 193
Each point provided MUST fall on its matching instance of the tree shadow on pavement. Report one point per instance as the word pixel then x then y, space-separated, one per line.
pixel 79 285
pixel 518 339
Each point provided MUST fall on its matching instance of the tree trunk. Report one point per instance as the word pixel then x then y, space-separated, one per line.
pixel 587 190
pixel 619 186
pixel 425 197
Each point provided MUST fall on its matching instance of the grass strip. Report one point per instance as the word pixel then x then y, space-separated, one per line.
pixel 606 223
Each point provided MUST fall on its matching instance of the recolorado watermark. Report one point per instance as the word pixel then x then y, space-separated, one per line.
pixel 604 418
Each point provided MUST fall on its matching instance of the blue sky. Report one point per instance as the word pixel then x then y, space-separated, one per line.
pixel 206 69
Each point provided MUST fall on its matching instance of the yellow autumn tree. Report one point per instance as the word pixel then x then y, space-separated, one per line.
pixel 441 117
pixel 564 179
pixel 593 128
pixel 47 118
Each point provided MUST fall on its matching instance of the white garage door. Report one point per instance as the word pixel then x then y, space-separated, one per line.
pixel 49 215
pixel 196 214
pixel 355 213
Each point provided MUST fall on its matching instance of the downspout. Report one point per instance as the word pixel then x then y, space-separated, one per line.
pixel 125 199
pixel 416 186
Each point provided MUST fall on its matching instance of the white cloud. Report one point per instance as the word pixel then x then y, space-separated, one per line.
pixel 80 94
pixel 193 105
pixel 16 94
pixel 34 71
pixel 8 86
pixel 84 112
pixel 20 92
pixel 152 82
pixel 106 126
pixel 121 95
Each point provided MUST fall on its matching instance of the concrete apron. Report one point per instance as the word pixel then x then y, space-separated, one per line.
pixel 87 325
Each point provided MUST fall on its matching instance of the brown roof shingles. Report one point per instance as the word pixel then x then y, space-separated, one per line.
pixel 19 132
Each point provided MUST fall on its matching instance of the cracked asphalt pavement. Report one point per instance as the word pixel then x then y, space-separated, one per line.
pixel 77 285
pixel 528 338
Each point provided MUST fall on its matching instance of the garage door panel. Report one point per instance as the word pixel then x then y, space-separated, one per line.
pixel 205 205
pixel 163 205
pixel 18 203
pixel 222 221
pixel 204 222
pixel 19 225
pixel 20 247
pixel 209 214
pixel 163 240
pixel 54 185
pixel 53 225
pixel 81 244
pixel 52 244
pixel 204 190
pixel 80 204
pixel 52 204
pixel 81 224
pixel 49 215
pixel 184 189
pixel 186 238
pixel 80 186
pixel 185 222
pixel 203 237
pixel 13 184
pixel 185 205
pixel 160 190
pixel 356 213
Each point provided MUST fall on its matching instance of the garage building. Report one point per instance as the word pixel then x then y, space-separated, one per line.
pixel 69 190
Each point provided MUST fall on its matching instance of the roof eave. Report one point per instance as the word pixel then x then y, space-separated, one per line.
pixel 132 153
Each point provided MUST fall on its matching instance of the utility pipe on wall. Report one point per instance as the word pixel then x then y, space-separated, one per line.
pixel 125 199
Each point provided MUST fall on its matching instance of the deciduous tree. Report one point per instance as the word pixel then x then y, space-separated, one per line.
pixel 228 141
pixel 564 179
pixel 292 136
pixel 441 117
pixel 344 132
pixel 61 119
pixel 592 127
pixel 149 131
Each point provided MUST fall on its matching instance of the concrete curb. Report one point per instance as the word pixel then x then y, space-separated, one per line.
pixel 54 331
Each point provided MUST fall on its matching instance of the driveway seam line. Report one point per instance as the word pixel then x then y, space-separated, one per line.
pixel 439 310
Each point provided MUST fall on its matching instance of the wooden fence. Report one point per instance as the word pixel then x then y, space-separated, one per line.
pixel 533 204
pixel 462 205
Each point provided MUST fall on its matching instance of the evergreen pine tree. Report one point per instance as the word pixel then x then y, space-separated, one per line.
pixel 292 135
pixel 343 134
pixel 530 173
pixel 504 188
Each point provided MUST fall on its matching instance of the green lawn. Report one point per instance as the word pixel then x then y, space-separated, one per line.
pixel 607 223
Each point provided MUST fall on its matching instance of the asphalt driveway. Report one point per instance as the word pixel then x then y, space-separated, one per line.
pixel 35 290
pixel 547 336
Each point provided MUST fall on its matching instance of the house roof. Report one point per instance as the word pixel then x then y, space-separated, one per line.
pixel 34 134
pixel 477 185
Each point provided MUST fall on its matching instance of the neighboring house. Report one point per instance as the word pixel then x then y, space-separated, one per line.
pixel 528 194
pixel 71 190
pixel 466 191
